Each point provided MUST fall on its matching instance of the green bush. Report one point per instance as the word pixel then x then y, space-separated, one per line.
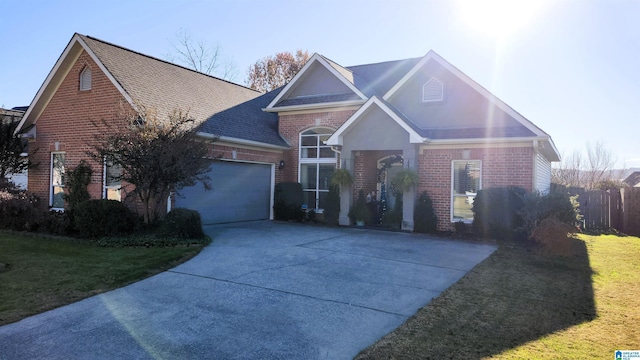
pixel 555 205
pixel 288 199
pixel 98 218
pixel 393 218
pixel 59 222
pixel 424 217
pixel 20 210
pixel 77 181
pixel 360 211
pixel 496 212
pixel 182 223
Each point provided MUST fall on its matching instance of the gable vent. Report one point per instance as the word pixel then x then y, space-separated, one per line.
pixel 432 90
pixel 85 79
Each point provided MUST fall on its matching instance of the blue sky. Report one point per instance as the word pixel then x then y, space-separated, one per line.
pixel 572 67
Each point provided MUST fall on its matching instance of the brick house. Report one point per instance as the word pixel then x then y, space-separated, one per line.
pixel 373 120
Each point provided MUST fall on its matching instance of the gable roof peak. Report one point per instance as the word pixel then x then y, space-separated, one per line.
pixel 341 73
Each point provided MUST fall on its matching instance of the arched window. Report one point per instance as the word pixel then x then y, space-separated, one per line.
pixel 85 79
pixel 317 165
pixel 432 91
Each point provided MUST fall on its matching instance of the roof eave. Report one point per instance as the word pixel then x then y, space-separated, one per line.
pixel 240 141
pixel 315 106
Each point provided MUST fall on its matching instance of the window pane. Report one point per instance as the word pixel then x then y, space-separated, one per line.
pixel 113 194
pixel 326 172
pixel 309 153
pixel 466 177
pixel 58 197
pixel 322 203
pixel 113 175
pixel 309 141
pixel 326 152
pixel 462 208
pixel 57 168
pixel 308 176
pixel 309 198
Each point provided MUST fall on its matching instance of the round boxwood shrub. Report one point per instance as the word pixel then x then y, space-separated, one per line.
pixel 98 218
pixel 182 223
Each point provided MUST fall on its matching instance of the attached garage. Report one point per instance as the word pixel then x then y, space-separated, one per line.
pixel 240 192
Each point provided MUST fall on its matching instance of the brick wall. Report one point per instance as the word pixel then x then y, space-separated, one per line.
pixel 290 127
pixel 500 167
pixel 68 120
pixel 72 117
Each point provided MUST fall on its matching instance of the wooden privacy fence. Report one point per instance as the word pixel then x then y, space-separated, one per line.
pixel 610 209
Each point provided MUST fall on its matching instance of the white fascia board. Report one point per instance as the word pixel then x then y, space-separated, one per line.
pixel 240 141
pixel 315 106
pixel 469 81
pixel 336 137
pixel 315 58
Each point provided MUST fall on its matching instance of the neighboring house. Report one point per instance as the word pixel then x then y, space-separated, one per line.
pixel 632 177
pixel 375 119
pixel 15 115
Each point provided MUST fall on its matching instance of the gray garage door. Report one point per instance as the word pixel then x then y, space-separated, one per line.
pixel 241 192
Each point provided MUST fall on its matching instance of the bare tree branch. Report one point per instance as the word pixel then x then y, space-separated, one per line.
pixel 200 56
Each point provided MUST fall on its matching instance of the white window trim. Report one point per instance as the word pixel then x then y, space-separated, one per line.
pixel 316 161
pixel 439 99
pixel 51 180
pixel 85 84
pixel 451 190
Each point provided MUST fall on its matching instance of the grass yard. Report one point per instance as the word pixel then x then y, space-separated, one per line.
pixel 519 305
pixel 45 272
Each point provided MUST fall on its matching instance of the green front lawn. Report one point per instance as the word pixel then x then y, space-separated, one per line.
pixel 518 305
pixel 47 272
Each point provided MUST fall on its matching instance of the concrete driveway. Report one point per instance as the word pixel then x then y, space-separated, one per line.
pixel 261 290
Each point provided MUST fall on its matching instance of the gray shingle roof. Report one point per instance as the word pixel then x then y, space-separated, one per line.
pixel 247 121
pixel 164 86
pixel 377 79
pixel 303 100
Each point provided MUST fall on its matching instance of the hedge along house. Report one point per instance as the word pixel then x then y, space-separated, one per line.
pixel 423 114
pixel 94 82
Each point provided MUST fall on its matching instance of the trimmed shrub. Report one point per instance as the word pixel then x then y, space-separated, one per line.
pixel 332 206
pixel 59 223
pixel 460 226
pixel 288 199
pixel 496 212
pixel 20 210
pixel 360 211
pixel 424 217
pixel 554 237
pixel 182 223
pixel 556 205
pixel 98 218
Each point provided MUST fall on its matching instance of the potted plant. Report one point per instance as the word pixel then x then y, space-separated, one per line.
pixel 359 212
pixel 341 177
pixel 405 179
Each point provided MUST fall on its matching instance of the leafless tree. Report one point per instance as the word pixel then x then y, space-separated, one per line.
pixel 590 171
pixel 201 56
